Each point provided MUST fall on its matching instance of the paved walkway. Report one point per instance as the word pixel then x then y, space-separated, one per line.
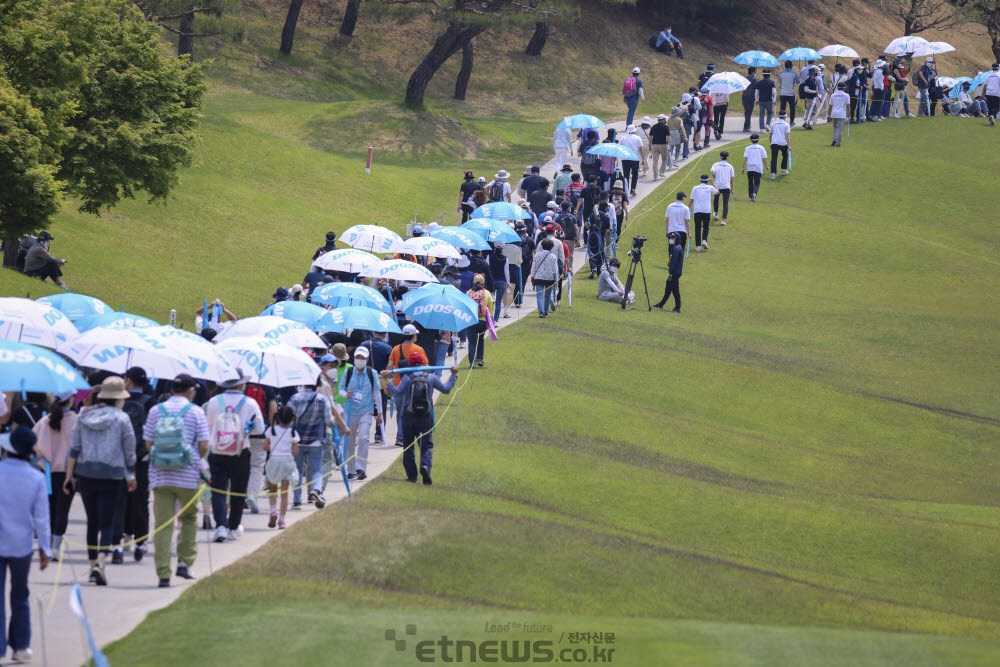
pixel 131 593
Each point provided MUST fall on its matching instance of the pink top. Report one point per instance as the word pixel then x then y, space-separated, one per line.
pixel 54 445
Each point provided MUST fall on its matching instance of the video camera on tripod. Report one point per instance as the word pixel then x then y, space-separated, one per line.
pixel 635 254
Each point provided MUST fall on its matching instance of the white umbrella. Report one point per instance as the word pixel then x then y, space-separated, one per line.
pixel 34 322
pixel 272 327
pixel 348 260
pixel 195 351
pixel 430 247
pixel 932 49
pixel 838 51
pixel 903 45
pixel 266 361
pixel 729 82
pixel 372 238
pixel 399 269
pixel 117 350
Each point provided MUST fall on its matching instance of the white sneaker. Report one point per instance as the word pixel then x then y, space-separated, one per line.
pixel 772 176
pixel 715 216
pixel 220 534
pixel 910 115
pixel 234 535
pixel 697 248
pixel 784 172
pixel 24 655
pixel 704 244
pixel 722 223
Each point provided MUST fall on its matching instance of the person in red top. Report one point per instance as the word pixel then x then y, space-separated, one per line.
pixel 706 117
pixel 404 351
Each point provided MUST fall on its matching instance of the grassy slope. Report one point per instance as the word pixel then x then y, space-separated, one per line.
pixel 733 465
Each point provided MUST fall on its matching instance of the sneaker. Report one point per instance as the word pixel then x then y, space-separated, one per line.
pixel 164 583
pixel 676 310
pixel 631 193
pixel 253 506
pixel 23 655
pixel 910 115
pixel 378 439
pixel 234 535
pixel 297 506
pixel 658 305
pixel 117 557
pixel 352 475
pixel 753 198
pixel 281 524
pixel 220 534
pixel 97 576
pixel 140 551
pixel 361 476
pixel 480 364
pixel 715 216
pixel 772 176
pixel 272 520
pixel 697 248
pixel 992 122
pixel 319 501
pixel 93 575
pixel 722 223
pixel 834 144
pixel 399 443
pixel 425 473
pixel 704 244
pixel 784 172
pixel 184 571
pixel 206 523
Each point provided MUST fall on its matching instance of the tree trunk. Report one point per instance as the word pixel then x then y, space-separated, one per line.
pixel 288 32
pixel 907 27
pixel 444 47
pixel 537 42
pixel 994 33
pixel 185 43
pixel 350 18
pixel 462 82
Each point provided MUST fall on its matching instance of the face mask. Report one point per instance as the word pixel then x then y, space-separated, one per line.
pixel 360 364
pixel 331 373
pixel 613 269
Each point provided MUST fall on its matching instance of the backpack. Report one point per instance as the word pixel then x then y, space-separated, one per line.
pixel 496 190
pixel 419 402
pixel 631 86
pixel 806 94
pixel 568 223
pixel 137 407
pixel 589 159
pixel 228 431
pixel 171 449
pixel 256 393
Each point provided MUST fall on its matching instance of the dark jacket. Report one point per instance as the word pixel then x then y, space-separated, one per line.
pixel 676 267
pixel 480 265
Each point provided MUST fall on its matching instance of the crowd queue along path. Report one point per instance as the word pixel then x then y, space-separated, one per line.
pixel 115 610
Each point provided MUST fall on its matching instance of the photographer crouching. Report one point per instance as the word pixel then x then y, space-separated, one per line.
pixel 38 263
pixel 610 287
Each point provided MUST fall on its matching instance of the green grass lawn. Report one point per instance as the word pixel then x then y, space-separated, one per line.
pixel 800 469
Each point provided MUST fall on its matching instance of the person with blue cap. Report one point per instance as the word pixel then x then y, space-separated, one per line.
pixel 24 515
pixel 280 294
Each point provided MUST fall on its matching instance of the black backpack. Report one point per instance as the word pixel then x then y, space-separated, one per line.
pixel 496 190
pixel 137 408
pixel 419 402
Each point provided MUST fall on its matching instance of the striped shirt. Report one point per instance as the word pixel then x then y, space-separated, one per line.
pixel 312 415
pixel 195 430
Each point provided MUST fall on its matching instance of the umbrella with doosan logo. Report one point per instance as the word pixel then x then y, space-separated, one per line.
pixel 276 328
pixel 343 295
pixel 269 362
pixel 76 306
pixel 440 307
pixel 368 319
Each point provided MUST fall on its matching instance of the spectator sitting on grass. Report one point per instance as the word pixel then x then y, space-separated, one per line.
pixel 609 287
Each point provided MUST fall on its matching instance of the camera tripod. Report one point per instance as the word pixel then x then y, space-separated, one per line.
pixel 635 255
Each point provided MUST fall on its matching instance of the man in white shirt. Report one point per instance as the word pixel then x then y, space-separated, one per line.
pixel 678 220
pixel 701 206
pixel 499 187
pixel 562 144
pixel 216 312
pixel 754 158
pixel 647 141
pixel 781 142
pixel 720 104
pixel 991 89
pixel 722 178
pixel 840 102
pixel 630 168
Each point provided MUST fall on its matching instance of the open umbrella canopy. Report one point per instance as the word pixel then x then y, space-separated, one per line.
pixel 493 230
pixel 800 53
pixel 729 82
pixel 369 319
pixel 115 320
pixel 838 51
pixel 756 59
pixel 276 328
pixel 76 306
pixel 28 321
pixel 372 238
pixel 903 45
pixel 580 121
pixel 430 247
pixel 461 238
pixel 440 307
pixel 195 351
pixel 311 315
pixel 956 85
pixel 117 350
pixel 343 295
pixel 613 150
pixel 499 210
pixel 348 260
pixel 932 49
pixel 269 362
pixel 26 367
pixel 399 269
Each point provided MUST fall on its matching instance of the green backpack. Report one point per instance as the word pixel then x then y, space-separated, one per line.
pixel 171 449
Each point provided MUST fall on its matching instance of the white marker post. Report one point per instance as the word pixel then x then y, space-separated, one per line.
pixel 368 164
pixel 173 318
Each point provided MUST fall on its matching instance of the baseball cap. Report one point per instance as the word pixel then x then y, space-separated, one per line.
pixel 45 236
pixel 415 360
pixel 361 352
pixel 635 70
pixel 21 442
pixel 929 59
pixel 551 204
pixel 711 66
pixel 137 375
pixel 327 359
pixel 418 229
pixel 183 382
pixel 409 330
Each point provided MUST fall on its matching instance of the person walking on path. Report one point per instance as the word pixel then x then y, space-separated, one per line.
pixel 749 97
pixel 176 427
pixel 678 220
pixel 101 457
pixel 24 515
pixel 630 168
pixel 811 92
pixel 378 357
pixel 660 135
pixel 313 417
pixel 282 443
pixel 401 353
pixel 840 102
pixel 54 432
pixel 723 174
pixel 136 519
pixel 701 208
pixel 720 104
pixel 477 335
pixel 360 386
pixel 466 190
pixel 754 159
pixel 677 133
pixel 781 138
pixel 706 75
pixel 416 392
pixel 788 85
pixel 499 189
pixel 647 141
pixel 632 92
pixel 766 95
pixel 544 275
pixel 562 144
pixel 674 269
pixel 991 90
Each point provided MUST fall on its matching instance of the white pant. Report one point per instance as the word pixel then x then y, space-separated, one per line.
pixel 257 458
pixel 561 154
pixel 357 442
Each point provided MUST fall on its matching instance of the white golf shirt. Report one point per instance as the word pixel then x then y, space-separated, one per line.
pixel 677 216
pixel 701 197
pixel 992 84
pixel 634 142
pixel 839 103
pixel 724 174
pixel 779 133
pixel 755 155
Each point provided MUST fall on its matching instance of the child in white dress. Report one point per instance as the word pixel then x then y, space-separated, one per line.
pixel 282 442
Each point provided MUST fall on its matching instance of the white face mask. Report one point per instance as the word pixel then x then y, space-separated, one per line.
pixel 331 373
pixel 360 364
pixel 613 269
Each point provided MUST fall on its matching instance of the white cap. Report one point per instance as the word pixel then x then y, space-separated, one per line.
pixel 661 117
pixel 685 98
pixel 635 70
pixel 551 204
pixel 431 227
pixel 409 330
pixel 821 66
pixel 463 262
pixel 879 62
pixel 930 59
pixel 630 129
pixel 361 352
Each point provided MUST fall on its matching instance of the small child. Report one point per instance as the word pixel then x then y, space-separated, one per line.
pixel 283 443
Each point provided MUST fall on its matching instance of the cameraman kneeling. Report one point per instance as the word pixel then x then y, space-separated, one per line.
pixel 40 264
pixel 609 287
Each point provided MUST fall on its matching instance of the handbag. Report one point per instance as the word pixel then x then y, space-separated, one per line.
pixel 508 295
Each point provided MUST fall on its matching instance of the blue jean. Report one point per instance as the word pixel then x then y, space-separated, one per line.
pixel 863 114
pixel 501 288
pixel 677 151
pixel 543 295
pixel 766 106
pixel 631 103
pixel 413 426
pixel 688 127
pixel 925 103
pixel 441 358
pixel 20 608
pixel 398 401
pixel 313 455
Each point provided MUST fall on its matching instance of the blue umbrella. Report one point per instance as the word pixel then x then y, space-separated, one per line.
pixel 958 86
pixel 461 238
pixel 26 367
pixel 76 306
pixel 613 150
pixel 440 307
pixel 580 120
pixel 978 81
pixel 500 210
pixel 493 230
pixel 314 317
pixel 757 59
pixel 368 319
pixel 343 295
pixel 115 320
pixel 800 53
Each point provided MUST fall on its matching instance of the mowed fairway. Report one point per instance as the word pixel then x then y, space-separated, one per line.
pixel 800 469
